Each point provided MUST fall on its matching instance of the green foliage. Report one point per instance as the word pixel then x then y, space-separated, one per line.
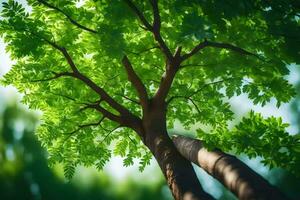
pixel 145 160
pixel 257 136
pixel 201 89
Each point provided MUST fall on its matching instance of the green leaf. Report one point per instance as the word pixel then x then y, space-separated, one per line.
pixel 69 170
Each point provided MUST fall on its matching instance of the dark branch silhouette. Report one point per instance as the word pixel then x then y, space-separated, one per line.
pixel 139 14
pixel 228 46
pixel 67 16
pixel 155 29
pixel 56 76
pixel 82 126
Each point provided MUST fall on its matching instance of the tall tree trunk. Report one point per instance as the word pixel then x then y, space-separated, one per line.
pixel 245 183
pixel 178 171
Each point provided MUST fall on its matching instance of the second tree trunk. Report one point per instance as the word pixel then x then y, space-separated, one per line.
pixel 245 183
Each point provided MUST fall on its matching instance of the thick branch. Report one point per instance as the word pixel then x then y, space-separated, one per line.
pixel 74 22
pixel 168 77
pixel 106 113
pixel 206 43
pixel 131 121
pixel 136 82
pixel 245 183
pixel 165 84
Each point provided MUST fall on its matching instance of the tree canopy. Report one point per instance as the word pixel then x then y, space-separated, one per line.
pixel 89 66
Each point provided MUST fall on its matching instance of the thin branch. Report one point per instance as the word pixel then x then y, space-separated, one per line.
pixel 87 106
pixel 83 126
pixel 53 44
pixel 197 108
pixel 155 29
pixel 197 91
pixel 228 46
pixel 109 80
pixel 211 83
pixel 63 50
pixel 133 141
pixel 109 132
pixel 187 98
pixel 173 62
pixel 56 76
pixel 65 96
pixel 74 22
pixel 103 94
pixel 76 102
pixel 139 14
pixel 142 51
pixel 129 99
pixel 176 97
pixel 157 67
pixel 233 48
pixel 88 125
pixel 136 82
pixel 197 65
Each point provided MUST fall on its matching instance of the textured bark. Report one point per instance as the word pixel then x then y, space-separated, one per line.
pixel 178 171
pixel 245 183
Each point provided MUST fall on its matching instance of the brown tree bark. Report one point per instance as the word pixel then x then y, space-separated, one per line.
pixel 178 171
pixel 245 183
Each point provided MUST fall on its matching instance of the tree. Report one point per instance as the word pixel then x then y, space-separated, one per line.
pixel 118 74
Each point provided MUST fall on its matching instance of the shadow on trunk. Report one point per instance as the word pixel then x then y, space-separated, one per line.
pixel 236 176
